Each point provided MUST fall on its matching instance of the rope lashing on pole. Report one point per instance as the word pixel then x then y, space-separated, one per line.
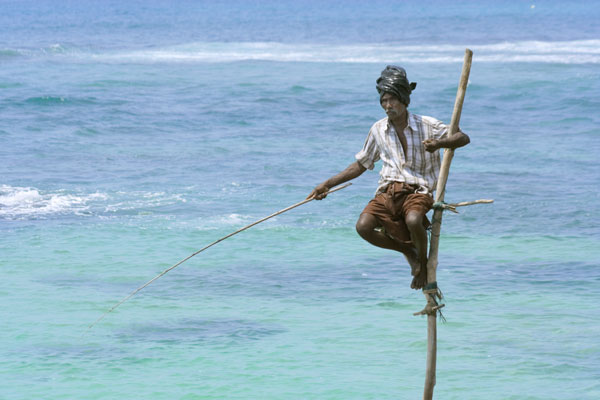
pixel 206 247
pixel 442 205
pixel 435 295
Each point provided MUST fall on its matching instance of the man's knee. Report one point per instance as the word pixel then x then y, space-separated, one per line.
pixel 414 220
pixel 365 224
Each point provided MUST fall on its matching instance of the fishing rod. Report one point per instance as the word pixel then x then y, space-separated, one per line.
pixel 206 247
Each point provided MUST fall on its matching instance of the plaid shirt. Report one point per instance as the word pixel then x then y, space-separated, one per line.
pixel 420 166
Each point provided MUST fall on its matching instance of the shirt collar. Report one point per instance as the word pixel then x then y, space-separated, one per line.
pixel 412 123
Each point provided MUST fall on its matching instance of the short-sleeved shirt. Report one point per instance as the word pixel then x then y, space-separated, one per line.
pixel 419 167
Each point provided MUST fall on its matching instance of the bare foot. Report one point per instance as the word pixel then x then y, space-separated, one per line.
pixel 413 261
pixel 420 280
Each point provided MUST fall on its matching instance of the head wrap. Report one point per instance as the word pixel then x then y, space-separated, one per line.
pixel 393 80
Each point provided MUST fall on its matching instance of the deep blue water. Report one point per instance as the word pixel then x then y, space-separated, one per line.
pixel 133 134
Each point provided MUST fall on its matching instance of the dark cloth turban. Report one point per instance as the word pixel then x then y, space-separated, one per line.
pixel 393 80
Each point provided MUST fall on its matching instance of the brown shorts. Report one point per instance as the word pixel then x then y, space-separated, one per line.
pixel 390 209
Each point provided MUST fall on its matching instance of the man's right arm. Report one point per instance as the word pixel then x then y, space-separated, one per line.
pixel 353 170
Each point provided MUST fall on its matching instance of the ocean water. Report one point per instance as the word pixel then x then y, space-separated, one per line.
pixel 134 133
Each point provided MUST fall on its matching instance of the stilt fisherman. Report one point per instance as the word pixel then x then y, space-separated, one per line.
pixel 408 146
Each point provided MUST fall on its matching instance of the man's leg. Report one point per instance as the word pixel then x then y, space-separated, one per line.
pixel 418 235
pixel 365 226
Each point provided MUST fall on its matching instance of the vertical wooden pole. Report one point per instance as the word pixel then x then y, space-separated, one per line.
pixel 431 290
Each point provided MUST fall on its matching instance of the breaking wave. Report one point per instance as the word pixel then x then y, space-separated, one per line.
pixel 561 52
pixel 26 203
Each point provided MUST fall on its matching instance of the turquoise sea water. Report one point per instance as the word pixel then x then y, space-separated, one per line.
pixel 132 135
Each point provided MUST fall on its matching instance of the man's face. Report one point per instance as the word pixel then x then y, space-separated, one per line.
pixel 393 107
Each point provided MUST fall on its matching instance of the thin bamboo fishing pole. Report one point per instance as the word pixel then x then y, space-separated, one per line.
pixel 206 247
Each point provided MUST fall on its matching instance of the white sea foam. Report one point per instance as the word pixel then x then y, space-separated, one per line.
pixel 31 203
pixel 561 52
pixel 234 219
pixel 566 52
pixel 141 201
pixel 26 202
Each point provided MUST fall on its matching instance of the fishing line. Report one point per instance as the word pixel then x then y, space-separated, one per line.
pixel 206 247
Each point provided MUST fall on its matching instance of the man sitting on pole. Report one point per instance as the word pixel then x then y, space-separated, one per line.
pixel 408 146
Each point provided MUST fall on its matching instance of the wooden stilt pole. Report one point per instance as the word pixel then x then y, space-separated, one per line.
pixel 431 290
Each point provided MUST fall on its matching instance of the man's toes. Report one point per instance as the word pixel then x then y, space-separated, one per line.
pixel 416 284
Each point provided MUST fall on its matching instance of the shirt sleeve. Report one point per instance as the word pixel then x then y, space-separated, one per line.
pixel 369 154
pixel 439 130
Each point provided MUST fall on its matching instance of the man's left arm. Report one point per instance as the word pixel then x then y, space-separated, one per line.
pixel 459 139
